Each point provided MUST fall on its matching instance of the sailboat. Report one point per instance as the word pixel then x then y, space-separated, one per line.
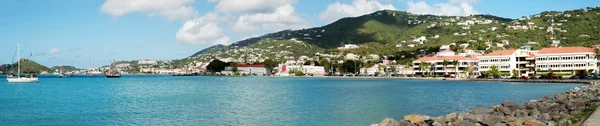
pixel 61 74
pixel 17 78
pixel 112 73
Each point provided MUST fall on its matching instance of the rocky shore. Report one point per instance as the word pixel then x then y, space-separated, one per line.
pixel 564 109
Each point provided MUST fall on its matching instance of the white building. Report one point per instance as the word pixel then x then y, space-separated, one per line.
pixel 307 70
pixel 507 61
pixel 567 60
pixel 420 39
pixel 351 56
pixel 147 62
pixel 123 65
pixel 348 46
pixel 436 67
pixel 255 70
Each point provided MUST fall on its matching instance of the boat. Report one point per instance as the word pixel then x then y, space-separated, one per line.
pixel 61 75
pixel 18 78
pixel 60 71
pixel 112 73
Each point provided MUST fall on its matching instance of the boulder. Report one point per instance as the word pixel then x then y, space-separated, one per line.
pixel 551 124
pixel 499 124
pixel 534 123
pixel 505 110
pixel 451 117
pixel 404 123
pixel 512 105
pixel 533 112
pixel 464 123
pixel 520 113
pixel 437 123
pixel 481 110
pixel 491 120
pixel 388 122
pixel 415 119
pixel 544 117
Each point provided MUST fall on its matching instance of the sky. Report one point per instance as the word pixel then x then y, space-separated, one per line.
pixel 91 33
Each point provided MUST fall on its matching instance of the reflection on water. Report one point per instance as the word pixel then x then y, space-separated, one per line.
pixel 166 100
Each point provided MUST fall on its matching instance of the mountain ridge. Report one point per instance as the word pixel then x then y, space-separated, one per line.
pixel 391 27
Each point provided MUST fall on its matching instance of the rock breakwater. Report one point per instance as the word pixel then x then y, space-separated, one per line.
pixel 564 109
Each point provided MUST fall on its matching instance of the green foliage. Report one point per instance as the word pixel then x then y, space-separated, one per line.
pixel 233 67
pixel 28 66
pixel 270 64
pixel 515 73
pixel 66 68
pixel 379 32
pixel 237 74
pixel 494 71
pixel 244 74
pixel 216 66
pixel 296 72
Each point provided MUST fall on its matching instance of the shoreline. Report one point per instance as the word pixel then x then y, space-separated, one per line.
pixel 566 81
pixel 573 107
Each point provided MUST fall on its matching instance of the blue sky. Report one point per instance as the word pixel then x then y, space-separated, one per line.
pixel 75 31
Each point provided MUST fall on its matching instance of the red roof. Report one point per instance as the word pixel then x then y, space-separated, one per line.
pixel 449 58
pixel 566 50
pixel 254 65
pixel 531 55
pixel 501 53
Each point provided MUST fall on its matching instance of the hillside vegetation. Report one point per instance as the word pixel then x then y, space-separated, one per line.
pixel 383 30
pixel 28 66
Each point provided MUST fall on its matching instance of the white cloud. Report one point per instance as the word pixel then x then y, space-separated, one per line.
pixel 171 9
pixel 250 6
pixel 200 31
pixel 452 8
pixel 53 51
pixel 282 18
pixel 339 10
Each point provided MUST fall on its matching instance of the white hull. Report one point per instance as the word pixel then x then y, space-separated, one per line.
pixel 22 80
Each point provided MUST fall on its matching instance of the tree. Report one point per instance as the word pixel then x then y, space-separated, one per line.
pixel 597 55
pixel 515 73
pixel 270 64
pixel 456 64
pixel 494 71
pixel 233 67
pixel 216 66
pixel 433 68
pixel 423 66
pixel 469 70
pixel 445 63
pixel 325 63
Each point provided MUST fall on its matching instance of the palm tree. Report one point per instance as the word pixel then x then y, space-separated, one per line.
pixel 445 63
pixel 469 70
pixel 597 55
pixel 422 66
pixel 433 66
pixel 455 63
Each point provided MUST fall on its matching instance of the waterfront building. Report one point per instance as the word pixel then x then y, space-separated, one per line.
pixel 435 65
pixel 308 70
pixel 566 60
pixel 255 70
pixel 509 61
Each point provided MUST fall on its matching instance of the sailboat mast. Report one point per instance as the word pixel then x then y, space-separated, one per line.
pixel 19 58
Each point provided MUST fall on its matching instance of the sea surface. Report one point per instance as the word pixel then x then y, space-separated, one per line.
pixel 248 101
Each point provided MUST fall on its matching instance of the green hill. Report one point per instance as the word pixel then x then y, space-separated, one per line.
pixel 66 68
pixel 28 66
pixel 384 29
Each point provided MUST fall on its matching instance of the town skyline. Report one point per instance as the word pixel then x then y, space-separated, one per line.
pixel 77 32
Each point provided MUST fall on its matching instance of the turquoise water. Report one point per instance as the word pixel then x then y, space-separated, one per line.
pixel 167 100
